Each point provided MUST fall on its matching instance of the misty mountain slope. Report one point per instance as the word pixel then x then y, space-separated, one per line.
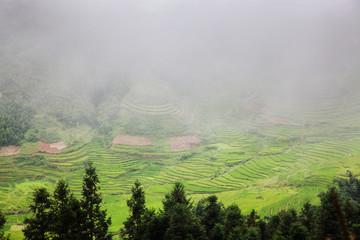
pixel 255 101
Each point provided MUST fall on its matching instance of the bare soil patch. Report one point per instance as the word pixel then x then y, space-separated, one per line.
pixel 51 147
pixel 275 120
pixel 9 150
pixel 183 143
pixel 131 140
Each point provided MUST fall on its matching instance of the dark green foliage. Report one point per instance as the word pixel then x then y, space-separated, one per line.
pixel 349 194
pixel 212 213
pixel 63 217
pixel 352 211
pixel 356 230
pixel 14 121
pixel 179 219
pixel 236 234
pixel 234 222
pixel 183 225
pixel 177 195
pixel 155 227
pixel 38 226
pixel 262 225
pixel 217 232
pixel 298 232
pixel 349 187
pixel 279 236
pixel 187 156
pixel 328 224
pixel 66 214
pixel 176 220
pixel 96 223
pixel 28 160
pixel 307 215
pixel 2 224
pixel 273 224
pixel 286 220
pixel 252 233
pixel 134 225
pixel 2 221
pixel 66 218
pixel 252 219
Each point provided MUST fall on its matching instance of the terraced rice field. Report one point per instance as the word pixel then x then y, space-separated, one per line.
pixel 259 157
pixel 239 167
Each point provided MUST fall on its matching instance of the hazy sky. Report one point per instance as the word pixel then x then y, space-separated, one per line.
pixel 281 42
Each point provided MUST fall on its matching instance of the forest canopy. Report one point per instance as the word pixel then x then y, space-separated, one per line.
pixel 14 121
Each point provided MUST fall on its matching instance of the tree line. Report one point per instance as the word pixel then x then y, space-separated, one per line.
pixel 62 216
pixel 337 218
pixel 14 121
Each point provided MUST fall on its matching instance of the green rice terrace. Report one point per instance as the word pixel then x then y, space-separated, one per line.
pixel 264 155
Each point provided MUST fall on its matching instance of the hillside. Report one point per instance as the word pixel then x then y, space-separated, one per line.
pixel 264 157
pixel 257 102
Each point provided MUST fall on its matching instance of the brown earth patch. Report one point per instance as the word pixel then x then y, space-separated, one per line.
pixel 9 150
pixel 131 140
pixel 183 143
pixel 51 147
pixel 275 120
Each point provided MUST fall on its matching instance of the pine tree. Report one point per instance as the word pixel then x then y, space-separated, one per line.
pixel 133 226
pixel 38 226
pixel 66 212
pixel 298 232
pixel 96 223
pixel 234 221
pixel 252 219
pixel 178 217
pixel 177 195
pixel 212 212
pixel 183 225
pixel 327 222
pixel 307 216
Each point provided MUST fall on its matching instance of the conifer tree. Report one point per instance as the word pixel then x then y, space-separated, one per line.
pixel 183 225
pixel 133 226
pixel 66 212
pixel 38 226
pixel 176 196
pixel 252 219
pixel 96 223
pixel 180 221
pixel 212 212
pixel 327 222
pixel 234 221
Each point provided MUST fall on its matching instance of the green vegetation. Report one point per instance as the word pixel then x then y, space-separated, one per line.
pixel 64 217
pixel 2 223
pixel 14 121
pixel 269 160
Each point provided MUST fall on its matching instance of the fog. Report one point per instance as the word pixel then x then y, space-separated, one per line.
pixel 287 48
